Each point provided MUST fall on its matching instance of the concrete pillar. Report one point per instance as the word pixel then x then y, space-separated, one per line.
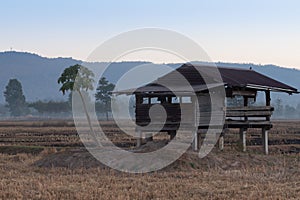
pixel 243 133
pixel 196 140
pixel 221 142
pixel 265 141
pixel 139 138
pixel 196 123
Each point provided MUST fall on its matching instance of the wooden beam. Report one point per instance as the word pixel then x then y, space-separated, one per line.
pixel 248 113
pixel 138 99
pixel 245 101
pixel 149 137
pixel 199 138
pixel 248 93
pixel 256 108
pixel 268 98
pixel 248 124
pixel 172 134
pixel 268 102
pixel 245 105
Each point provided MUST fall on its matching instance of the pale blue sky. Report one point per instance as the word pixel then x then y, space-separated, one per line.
pixel 254 31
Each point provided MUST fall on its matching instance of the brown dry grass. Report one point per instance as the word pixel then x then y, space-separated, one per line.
pixel 222 175
pixel 20 180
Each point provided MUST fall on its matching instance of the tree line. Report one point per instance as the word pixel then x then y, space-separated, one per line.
pixel 17 105
pixel 286 111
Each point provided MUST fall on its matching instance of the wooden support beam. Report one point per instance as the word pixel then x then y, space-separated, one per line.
pixel 245 101
pixel 149 137
pixel 245 105
pixel 265 141
pixel 248 93
pixel 268 98
pixel 199 139
pixel 139 138
pixel 256 108
pixel 268 102
pixel 138 99
pixel 243 133
pixel 172 134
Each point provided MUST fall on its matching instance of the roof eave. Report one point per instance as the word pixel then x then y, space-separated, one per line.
pixel 274 89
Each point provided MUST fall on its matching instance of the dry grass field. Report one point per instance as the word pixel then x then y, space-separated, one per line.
pixel 34 154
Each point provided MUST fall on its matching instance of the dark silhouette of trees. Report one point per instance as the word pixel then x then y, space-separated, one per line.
pixel 50 106
pixel 290 111
pixel 104 95
pixel 15 98
pixel 279 107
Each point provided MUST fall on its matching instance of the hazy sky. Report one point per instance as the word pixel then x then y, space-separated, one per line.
pixel 255 31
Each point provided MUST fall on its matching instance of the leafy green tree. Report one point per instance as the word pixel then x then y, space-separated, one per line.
pixel 84 82
pixel 15 98
pixel 104 94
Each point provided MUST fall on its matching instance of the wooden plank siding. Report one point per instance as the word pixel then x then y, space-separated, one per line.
pixel 205 116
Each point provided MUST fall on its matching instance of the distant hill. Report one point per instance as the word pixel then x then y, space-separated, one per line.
pixel 38 75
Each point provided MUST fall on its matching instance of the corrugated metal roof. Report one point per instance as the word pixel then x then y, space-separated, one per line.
pixel 243 77
pixel 230 77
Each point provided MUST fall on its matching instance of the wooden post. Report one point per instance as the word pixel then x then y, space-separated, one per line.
pixel 172 134
pixel 268 98
pixel 265 141
pixel 245 105
pixel 268 101
pixel 199 139
pixel 149 137
pixel 139 138
pixel 243 132
pixel 245 101
pixel 138 99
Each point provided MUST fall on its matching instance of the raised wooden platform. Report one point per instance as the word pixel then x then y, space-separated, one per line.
pixel 236 117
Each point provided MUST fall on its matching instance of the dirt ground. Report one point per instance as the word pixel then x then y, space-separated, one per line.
pixel 46 160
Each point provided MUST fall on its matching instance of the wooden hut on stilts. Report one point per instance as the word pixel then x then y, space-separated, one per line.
pixel 236 82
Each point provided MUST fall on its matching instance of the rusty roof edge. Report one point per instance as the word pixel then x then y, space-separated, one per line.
pixel 188 89
pixel 274 89
pixel 127 91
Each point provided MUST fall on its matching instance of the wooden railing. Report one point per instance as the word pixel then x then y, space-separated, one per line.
pixel 260 111
pixel 235 116
pixel 252 117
